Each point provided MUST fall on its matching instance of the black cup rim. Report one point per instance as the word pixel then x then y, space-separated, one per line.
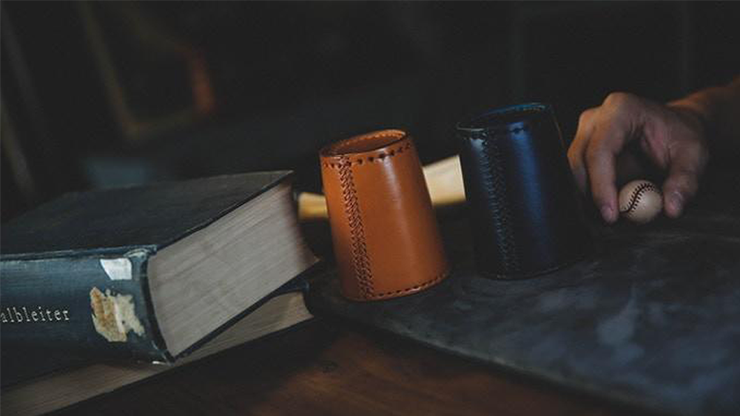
pixel 502 117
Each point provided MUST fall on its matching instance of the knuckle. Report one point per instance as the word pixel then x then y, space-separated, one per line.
pixel 573 152
pixel 620 100
pixel 586 116
pixel 575 162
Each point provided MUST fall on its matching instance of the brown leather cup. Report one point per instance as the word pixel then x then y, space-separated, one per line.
pixel 384 231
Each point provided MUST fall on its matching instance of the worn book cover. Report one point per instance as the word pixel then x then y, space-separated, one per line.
pixel 147 272
pixel 40 380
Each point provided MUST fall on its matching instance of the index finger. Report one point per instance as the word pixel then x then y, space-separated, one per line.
pixel 607 142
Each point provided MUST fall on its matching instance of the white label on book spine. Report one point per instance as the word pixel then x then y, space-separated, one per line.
pixel 117 269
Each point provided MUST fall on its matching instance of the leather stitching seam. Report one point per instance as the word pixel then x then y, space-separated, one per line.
pixel 360 258
pixel 495 190
pixel 382 135
pixel 368 159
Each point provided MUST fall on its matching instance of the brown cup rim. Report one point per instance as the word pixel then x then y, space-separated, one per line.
pixel 365 143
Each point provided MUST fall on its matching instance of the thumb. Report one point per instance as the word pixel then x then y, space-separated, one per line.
pixel 681 184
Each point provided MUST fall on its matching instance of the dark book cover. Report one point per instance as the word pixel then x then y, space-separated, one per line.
pixel 66 265
pixel 22 364
pixel 651 317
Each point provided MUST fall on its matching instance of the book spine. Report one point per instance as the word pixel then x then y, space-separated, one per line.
pixel 98 305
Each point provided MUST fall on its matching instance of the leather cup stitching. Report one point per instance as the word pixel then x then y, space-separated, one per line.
pixel 636 196
pixel 393 134
pixel 495 193
pixel 380 157
pixel 360 258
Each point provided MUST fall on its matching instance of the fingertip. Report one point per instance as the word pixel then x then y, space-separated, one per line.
pixel 605 198
pixel 608 214
pixel 674 202
pixel 601 174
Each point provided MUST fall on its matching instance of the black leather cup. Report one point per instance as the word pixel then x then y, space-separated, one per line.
pixel 523 203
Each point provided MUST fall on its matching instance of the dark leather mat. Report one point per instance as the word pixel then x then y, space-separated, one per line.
pixel 651 317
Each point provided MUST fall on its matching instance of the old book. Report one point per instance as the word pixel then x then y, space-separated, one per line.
pixel 151 272
pixel 44 380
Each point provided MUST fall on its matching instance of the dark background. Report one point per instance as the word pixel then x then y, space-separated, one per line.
pixel 107 94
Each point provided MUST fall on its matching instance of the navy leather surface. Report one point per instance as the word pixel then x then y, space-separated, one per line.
pixel 522 197
pixel 651 317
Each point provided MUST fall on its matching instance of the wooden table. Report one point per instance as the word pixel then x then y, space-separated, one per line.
pixel 332 368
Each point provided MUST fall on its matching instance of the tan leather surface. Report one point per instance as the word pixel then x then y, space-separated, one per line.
pixel 384 230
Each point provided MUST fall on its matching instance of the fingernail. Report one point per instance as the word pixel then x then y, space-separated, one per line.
pixel 674 204
pixel 607 213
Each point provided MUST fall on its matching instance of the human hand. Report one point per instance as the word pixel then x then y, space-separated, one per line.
pixel 671 136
